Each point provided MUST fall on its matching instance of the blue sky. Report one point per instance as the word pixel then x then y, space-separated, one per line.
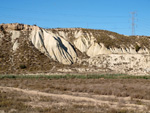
pixel 112 15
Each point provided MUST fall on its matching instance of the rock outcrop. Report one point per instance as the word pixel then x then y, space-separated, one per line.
pixel 53 46
pixel 30 48
pixel 15 26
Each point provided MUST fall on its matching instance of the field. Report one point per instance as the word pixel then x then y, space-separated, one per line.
pixel 74 94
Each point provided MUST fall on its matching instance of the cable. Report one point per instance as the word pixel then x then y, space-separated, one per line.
pixel 60 14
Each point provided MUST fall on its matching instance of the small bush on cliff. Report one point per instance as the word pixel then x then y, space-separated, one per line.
pixel 137 48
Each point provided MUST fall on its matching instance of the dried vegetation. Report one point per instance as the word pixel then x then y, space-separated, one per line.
pixel 124 92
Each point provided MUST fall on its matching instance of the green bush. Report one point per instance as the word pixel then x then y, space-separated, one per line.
pixel 137 48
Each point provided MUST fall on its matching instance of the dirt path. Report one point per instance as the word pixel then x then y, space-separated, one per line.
pixel 74 98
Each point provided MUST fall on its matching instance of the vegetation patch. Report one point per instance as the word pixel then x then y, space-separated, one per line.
pixel 112 89
pixel 69 76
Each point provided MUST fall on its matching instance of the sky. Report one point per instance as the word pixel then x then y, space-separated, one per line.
pixel 112 15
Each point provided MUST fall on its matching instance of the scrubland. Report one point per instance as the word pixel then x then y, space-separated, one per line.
pixel 75 94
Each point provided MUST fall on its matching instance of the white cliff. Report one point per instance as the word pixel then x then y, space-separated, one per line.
pixel 53 46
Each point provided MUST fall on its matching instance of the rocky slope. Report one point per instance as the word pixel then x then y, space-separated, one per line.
pixel 31 49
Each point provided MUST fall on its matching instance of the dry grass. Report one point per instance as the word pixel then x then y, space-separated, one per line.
pixel 9 100
pixel 20 102
pixel 136 89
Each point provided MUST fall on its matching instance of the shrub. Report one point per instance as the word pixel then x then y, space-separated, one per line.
pixel 137 48
pixel 22 66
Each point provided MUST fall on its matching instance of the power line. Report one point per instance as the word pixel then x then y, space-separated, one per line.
pixel 133 22
pixel 59 20
pixel 19 10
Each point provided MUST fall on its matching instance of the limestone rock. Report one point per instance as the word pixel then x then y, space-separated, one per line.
pixel 55 47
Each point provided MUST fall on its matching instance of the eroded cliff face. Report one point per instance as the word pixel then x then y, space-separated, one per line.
pixel 53 46
pixel 95 42
pixel 28 49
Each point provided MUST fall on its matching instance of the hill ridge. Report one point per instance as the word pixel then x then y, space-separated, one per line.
pixel 34 48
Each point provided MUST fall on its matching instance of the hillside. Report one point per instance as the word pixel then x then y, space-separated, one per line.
pixel 31 49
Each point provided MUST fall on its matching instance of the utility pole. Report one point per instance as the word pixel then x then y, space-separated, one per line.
pixel 87 25
pixel 133 22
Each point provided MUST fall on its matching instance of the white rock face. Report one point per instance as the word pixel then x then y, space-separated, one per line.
pixel 87 43
pixel 144 51
pixel 96 49
pixel 82 44
pixel 53 46
pixel 123 63
pixel 15 35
